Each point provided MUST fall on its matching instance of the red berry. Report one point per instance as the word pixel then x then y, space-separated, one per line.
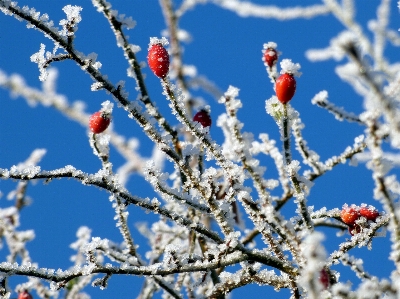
pixel 270 57
pixel 354 229
pixel 324 278
pixel 158 60
pixel 203 118
pixel 98 122
pixel 285 88
pixel 24 295
pixel 349 215
pixel 369 212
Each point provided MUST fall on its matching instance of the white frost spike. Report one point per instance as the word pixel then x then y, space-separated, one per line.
pixel 320 97
pixel 232 239
pixel 135 48
pixel 289 67
pixel 107 107
pixel 94 244
pixel 40 59
pixel 154 41
pixel 73 13
pixel 230 99
pixel 83 234
pixel 270 45
pixel 91 58
pixel 127 22
pixel 96 86
pixel 232 92
pixel 73 18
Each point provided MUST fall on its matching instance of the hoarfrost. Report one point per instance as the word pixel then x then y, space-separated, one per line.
pixel 289 67
pixel 154 41
pixel 41 60
pixel 73 13
pixel 270 45
pixel 96 86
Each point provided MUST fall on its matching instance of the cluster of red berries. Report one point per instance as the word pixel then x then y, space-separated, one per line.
pixel 350 214
pixel 99 122
pixel 285 85
pixel 158 60
pixel 24 295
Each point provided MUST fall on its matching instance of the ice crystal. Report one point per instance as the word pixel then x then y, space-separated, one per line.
pixel 291 68
pixel 154 41
pixel 41 60
pixel 270 45
pixel 73 18
pixel 96 86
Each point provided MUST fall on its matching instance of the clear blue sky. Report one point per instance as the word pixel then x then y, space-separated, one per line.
pixel 224 47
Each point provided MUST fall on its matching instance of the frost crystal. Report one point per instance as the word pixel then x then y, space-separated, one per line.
pixel 41 60
pixel 154 41
pixel 270 45
pixel 107 107
pixel 73 18
pixel 96 86
pixel 290 68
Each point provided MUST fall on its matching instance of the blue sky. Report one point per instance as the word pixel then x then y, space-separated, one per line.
pixel 227 49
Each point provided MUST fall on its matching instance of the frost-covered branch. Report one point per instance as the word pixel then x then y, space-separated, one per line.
pixel 34 173
pixel 321 99
pixel 48 97
pixel 101 181
pixel 219 220
pixel 117 23
pixel 249 9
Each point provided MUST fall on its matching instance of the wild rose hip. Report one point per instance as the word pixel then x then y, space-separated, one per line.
pixel 354 229
pixel 24 295
pixel 270 57
pixel 285 87
pixel 203 118
pixel 98 122
pixel 370 213
pixel 158 60
pixel 324 278
pixel 349 215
